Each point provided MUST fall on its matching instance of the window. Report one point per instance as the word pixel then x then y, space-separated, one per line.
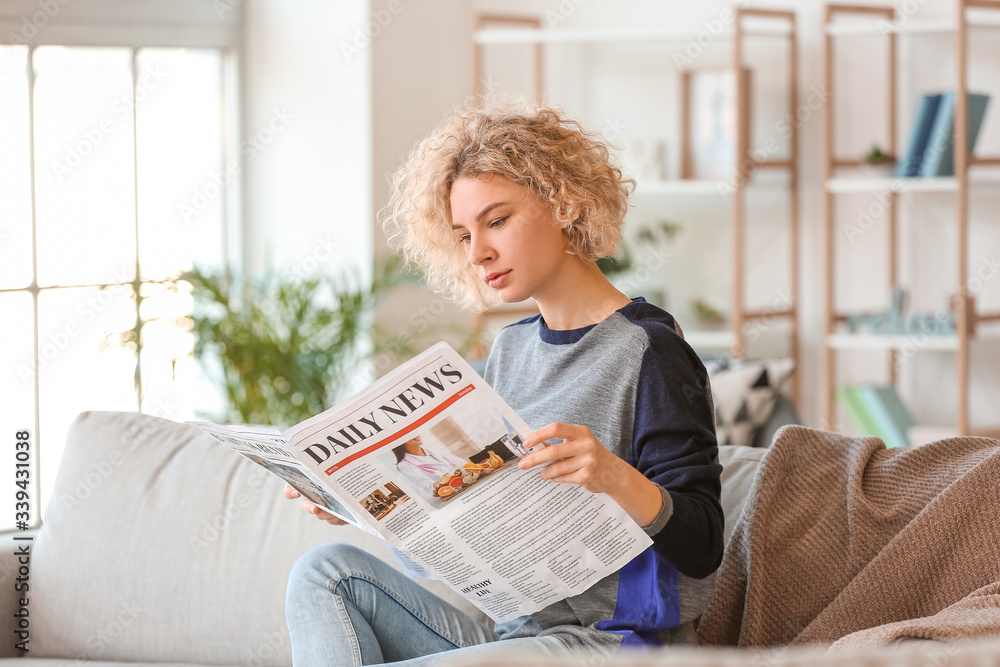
pixel 113 179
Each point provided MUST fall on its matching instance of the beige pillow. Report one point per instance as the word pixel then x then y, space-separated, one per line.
pixel 162 545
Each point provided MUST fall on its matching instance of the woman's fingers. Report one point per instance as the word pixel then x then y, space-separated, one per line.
pixel 321 513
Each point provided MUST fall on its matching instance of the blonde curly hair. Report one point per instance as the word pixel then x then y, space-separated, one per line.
pixel 537 147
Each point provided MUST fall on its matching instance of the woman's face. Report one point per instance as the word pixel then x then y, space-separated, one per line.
pixel 413 446
pixel 508 234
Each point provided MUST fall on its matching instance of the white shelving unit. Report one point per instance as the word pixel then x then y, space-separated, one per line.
pixel 495 30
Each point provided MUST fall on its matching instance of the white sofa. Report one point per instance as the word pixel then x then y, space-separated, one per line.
pixel 161 546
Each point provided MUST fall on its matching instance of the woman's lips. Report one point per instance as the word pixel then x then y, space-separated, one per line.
pixel 496 280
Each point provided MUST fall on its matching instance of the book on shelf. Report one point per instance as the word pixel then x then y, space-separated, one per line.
pixel 851 403
pixel 938 157
pixel 889 413
pixel 877 410
pixel 923 121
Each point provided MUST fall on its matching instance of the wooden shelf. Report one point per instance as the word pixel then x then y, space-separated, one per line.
pixel 911 27
pixel 865 341
pixel 701 186
pixel 509 36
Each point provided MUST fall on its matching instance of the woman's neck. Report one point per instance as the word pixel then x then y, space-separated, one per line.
pixel 583 296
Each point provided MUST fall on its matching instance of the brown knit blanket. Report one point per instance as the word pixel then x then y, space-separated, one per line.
pixel 845 542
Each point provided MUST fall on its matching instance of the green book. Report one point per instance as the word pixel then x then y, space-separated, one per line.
pixel 856 411
pixel 887 411
pixel 885 427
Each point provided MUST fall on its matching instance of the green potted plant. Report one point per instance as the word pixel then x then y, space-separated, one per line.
pixel 706 314
pixel 286 348
pixel 877 161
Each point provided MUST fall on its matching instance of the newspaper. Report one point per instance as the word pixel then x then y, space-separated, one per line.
pixel 426 459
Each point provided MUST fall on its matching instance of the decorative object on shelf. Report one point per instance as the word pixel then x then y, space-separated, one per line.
pixel 709 120
pixel 895 321
pixel 745 392
pixel 878 161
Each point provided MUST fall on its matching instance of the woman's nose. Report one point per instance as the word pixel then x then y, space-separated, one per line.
pixel 479 250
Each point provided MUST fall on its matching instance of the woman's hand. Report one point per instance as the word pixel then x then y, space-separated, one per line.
pixel 581 459
pixel 310 508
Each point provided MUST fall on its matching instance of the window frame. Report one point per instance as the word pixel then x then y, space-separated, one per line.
pixel 225 37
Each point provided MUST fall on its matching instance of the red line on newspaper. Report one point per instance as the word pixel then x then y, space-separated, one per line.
pixel 412 427
pixel 300 437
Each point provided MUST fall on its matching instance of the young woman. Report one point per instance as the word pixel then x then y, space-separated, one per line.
pixel 504 203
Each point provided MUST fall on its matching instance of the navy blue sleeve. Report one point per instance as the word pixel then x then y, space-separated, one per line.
pixel 674 445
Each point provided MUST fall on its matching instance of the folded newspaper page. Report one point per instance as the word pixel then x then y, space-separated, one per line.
pixel 426 458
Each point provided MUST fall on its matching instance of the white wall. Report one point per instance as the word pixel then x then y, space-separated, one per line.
pixel 421 66
pixel 421 71
pixel 308 188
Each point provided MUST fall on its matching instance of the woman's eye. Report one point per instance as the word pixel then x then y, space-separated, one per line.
pixel 498 222
pixel 464 238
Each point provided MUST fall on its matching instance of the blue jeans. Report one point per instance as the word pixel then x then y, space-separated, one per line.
pixel 347 607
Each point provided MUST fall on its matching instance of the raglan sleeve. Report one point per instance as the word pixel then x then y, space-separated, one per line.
pixel 674 445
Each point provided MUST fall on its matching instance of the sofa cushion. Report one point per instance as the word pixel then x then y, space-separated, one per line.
pixel 745 393
pixel 162 545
